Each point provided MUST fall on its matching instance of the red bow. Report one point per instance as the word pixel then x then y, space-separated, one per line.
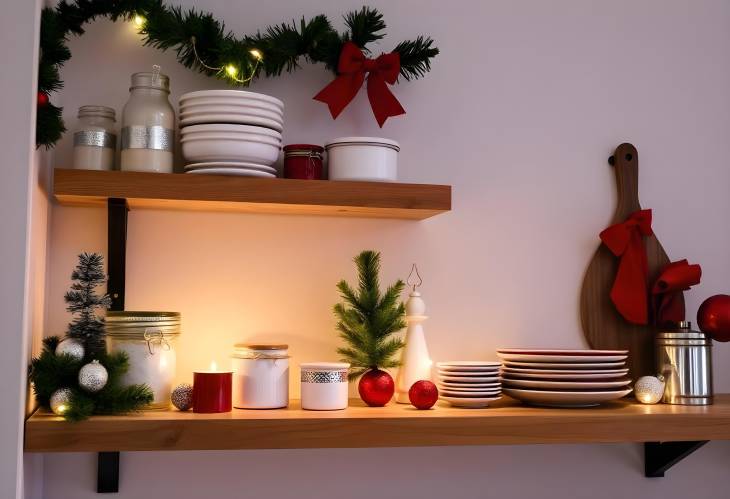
pixel 629 291
pixel 351 74
pixel 675 278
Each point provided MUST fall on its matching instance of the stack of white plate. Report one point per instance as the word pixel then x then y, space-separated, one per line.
pixel 231 132
pixel 564 378
pixel 467 383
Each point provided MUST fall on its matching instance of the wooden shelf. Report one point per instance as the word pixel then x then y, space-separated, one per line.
pixel 507 422
pixel 254 195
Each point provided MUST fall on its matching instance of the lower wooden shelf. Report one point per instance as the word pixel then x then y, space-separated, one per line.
pixel 506 422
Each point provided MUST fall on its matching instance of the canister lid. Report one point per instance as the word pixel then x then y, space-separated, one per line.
pixel 148 79
pixel 362 141
pixel 324 366
pixel 141 316
pixel 303 147
pixel 260 346
pixel 97 111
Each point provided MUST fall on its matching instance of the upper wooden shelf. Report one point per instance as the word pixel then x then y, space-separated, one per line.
pixel 507 422
pixel 254 195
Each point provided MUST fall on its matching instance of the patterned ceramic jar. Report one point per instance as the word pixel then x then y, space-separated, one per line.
pixel 324 386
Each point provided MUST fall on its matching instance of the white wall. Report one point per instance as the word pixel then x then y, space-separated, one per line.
pixel 519 114
pixel 23 208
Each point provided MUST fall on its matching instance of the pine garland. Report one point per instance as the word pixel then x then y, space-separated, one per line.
pixel 189 32
pixel 50 372
pixel 367 319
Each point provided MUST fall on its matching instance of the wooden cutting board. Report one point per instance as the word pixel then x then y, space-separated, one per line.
pixel 603 326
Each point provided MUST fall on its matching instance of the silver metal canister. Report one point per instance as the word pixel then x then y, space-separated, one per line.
pixel 684 358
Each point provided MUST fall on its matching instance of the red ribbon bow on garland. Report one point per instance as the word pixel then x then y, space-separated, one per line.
pixel 351 69
pixel 629 291
pixel 675 278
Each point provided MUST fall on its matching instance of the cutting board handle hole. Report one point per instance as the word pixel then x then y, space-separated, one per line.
pixel 629 156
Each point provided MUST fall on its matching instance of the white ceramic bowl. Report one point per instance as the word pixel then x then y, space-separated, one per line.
pixel 198 150
pixel 248 107
pixel 229 128
pixel 229 96
pixel 250 137
pixel 363 158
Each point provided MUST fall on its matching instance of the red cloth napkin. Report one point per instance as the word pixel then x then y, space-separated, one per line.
pixel 674 278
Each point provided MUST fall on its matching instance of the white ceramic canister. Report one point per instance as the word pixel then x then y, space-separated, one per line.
pixel 260 376
pixel 95 138
pixel 148 339
pixel 148 125
pixel 324 386
pixel 363 158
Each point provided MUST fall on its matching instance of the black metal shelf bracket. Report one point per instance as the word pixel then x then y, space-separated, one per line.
pixel 660 456
pixel 107 478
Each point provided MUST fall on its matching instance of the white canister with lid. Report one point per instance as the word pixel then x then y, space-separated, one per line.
pixel 260 376
pixel 148 125
pixel 95 138
pixel 324 386
pixel 363 158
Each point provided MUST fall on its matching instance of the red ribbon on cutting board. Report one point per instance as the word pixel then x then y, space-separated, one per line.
pixel 630 289
pixel 674 279
pixel 351 69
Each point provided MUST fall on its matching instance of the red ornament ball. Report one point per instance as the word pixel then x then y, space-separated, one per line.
pixel 423 394
pixel 713 317
pixel 43 99
pixel 376 388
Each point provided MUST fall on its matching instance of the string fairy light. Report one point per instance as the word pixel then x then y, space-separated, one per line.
pixel 231 70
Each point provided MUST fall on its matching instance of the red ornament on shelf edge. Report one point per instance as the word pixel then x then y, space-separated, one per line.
pixel 423 394
pixel 376 388
pixel 713 317
pixel 43 99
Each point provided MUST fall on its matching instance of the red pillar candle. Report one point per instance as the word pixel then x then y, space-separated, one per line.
pixel 212 391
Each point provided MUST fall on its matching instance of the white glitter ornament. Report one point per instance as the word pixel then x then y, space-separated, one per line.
pixel 93 376
pixel 182 397
pixel 71 347
pixel 60 401
pixel 649 389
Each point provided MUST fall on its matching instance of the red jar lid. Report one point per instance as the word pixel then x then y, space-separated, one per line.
pixel 304 147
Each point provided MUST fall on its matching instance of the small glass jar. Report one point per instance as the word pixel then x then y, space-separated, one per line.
pixel 148 125
pixel 324 386
pixel 95 138
pixel 148 339
pixel 261 376
pixel 303 161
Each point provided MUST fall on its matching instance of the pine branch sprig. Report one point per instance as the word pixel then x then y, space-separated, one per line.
pixel 367 320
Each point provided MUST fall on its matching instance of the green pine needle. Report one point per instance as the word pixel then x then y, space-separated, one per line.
pixel 367 320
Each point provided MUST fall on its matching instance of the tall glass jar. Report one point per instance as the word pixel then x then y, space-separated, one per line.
pixel 95 139
pixel 148 125
pixel 148 339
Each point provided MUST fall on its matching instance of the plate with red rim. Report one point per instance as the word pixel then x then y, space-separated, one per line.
pixel 471 372
pixel 562 356
pixel 565 377
pixel 468 363
pixel 566 398
pixel 566 385
pixel 522 370
pixel 469 389
pixel 564 365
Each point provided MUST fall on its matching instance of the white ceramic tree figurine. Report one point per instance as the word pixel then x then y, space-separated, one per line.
pixel 415 361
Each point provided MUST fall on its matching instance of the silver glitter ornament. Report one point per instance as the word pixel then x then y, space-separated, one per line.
pixel 182 397
pixel 649 389
pixel 71 347
pixel 60 401
pixel 93 376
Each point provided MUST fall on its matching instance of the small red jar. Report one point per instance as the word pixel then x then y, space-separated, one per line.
pixel 303 161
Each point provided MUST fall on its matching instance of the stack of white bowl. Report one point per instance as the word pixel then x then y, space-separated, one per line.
pixel 231 132
pixel 469 383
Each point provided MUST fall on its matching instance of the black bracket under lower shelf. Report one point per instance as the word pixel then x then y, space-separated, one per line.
pixel 660 456
pixel 107 477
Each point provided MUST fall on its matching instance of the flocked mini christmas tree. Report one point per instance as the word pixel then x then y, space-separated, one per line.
pixel 367 321
pixel 83 301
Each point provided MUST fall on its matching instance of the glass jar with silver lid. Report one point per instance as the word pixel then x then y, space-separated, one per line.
pixel 95 138
pixel 148 339
pixel 148 124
